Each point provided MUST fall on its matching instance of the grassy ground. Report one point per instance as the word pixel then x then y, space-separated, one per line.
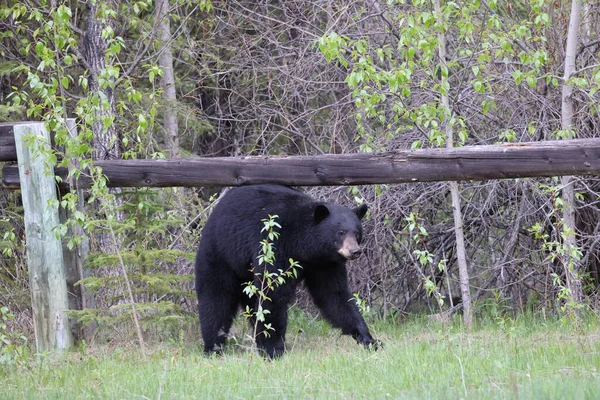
pixel 522 358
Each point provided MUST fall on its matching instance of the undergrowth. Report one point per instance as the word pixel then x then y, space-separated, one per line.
pixel 517 357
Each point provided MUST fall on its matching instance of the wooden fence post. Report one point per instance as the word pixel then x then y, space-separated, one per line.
pixel 44 250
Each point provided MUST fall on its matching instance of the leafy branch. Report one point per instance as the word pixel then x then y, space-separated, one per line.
pixel 267 279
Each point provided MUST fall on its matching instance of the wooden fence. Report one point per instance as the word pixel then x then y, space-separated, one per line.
pixel 50 264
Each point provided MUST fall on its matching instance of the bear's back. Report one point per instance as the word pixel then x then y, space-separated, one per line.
pixel 250 204
pixel 233 230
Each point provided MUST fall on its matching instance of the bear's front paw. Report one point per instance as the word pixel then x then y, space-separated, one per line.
pixel 271 351
pixel 370 343
pixel 375 345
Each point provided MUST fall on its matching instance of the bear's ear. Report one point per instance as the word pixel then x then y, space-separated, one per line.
pixel 361 211
pixel 321 212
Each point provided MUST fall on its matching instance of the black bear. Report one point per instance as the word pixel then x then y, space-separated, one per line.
pixel 320 236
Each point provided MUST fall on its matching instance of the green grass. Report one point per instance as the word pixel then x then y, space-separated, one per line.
pixel 524 359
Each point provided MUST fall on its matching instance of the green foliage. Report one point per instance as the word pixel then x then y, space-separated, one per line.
pixel 362 305
pixel 333 48
pixel 7 243
pixel 12 345
pixel 392 83
pixel 500 58
pixel 51 79
pixel 425 258
pixel 163 317
pixel 150 249
pixel 266 279
pixel 14 289
pixel 561 252
pixel 45 86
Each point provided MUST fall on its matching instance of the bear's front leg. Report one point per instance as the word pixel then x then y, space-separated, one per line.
pixel 330 292
pixel 271 345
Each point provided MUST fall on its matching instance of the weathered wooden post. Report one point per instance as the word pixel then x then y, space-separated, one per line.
pixel 44 249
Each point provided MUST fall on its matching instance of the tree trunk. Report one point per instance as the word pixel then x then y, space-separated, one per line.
pixel 461 254
pixel 106 141
pixel 167 82
pixel 572 265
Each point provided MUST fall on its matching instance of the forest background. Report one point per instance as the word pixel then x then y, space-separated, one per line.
pixel 198 78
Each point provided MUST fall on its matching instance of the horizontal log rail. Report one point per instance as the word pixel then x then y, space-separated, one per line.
pixel 518 160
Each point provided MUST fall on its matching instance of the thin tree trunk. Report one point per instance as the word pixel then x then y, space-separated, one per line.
pixel 167 82
pixel 169 105
pixel 572 266
pixel 461 254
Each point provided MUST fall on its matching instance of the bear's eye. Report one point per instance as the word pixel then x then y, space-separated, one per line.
pixel 341 233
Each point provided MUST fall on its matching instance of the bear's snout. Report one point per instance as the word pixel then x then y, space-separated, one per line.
pixel 354 254
pixel 350 249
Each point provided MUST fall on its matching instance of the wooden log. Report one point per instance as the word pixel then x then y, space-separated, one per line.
pixel 537 159
pixel 8 149
pixel 11 180
pixel 44 250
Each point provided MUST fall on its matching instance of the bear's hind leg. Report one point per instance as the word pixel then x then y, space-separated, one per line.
pixel 228 321
pixel 217 306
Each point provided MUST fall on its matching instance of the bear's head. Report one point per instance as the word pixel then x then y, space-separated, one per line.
pixel 339 229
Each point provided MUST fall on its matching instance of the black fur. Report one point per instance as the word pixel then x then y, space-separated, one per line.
pixel 311 234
